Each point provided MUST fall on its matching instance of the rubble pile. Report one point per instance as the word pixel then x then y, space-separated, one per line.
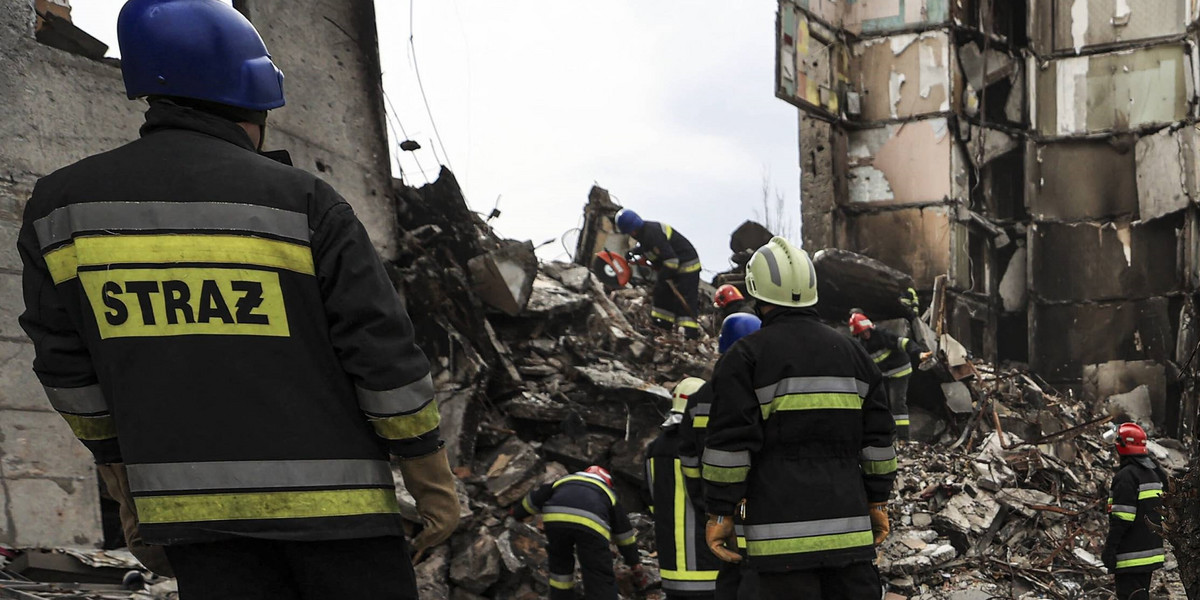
pixel 1012 507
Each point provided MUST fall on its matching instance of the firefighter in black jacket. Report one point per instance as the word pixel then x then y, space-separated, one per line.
pixel 734 581
pixel 895 357
pixel 688 569
pixel 1134 549
pixel 799 443
pixel 582 515
pixel 217 326
pixel 677 265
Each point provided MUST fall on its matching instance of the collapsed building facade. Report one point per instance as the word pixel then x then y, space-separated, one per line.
pixel 1040 154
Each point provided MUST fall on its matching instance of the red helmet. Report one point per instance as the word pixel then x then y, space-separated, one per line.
pixel 860 323
pixel 600 472
pixel 1131 439
pixel 726 294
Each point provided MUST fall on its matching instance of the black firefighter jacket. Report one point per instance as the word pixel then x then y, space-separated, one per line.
pixel 222 324
pixel 685 562
pixel 1133 545
pixel 667 249
pixel 894 355
pixel 799 428
pixel 583 502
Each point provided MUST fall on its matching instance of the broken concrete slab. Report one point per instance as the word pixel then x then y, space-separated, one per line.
pixel 1162 165
pixel 958 397
pixel 1071 26
pixel 1101 381
pixel 577 278
pixel 503 278
pixel 1132 406
pixel 549 298
pixel 912 240
pixel 616 380
pixel 1014 288
pixel 512 472
pixel 476 567
pixel 847 280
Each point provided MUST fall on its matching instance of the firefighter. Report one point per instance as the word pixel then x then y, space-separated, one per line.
pixel 895 357
pixel 734 581
pixel 582 516
pixel 688 569
pixel 678 271
pixel 728 300
pixel 218 327
pixel 1134 549
pixel 799 444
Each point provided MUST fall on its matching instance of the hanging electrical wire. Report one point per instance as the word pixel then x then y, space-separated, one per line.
pixel 392 111
pixel 412 48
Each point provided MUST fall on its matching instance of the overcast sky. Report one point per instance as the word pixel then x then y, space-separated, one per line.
pixel 669 105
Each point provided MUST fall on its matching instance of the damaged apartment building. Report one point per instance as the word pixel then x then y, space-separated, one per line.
pixel 1039 156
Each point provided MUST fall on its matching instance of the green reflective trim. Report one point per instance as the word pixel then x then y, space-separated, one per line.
pixel 91 429
pixel 265 505
pixel 1140 562
pixel 818 543
pixel 688 575
pixel 592 479
pixel 405 427
pixel 528 506
pixel 725 474
pixel 699 422
pixel 691 472
pixel 1124 516
pixel 662 315
pixel 898 372
pixel 1150 494
pixel 577 520
pixel 902 422
pixel 791 402
pixel 879 467
pixel 881 356
pixel 561 585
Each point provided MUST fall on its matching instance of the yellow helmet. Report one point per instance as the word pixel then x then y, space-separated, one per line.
pixel 685 388
pixel 782 274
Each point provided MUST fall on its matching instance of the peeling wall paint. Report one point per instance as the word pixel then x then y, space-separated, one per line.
pixel 872 17
pixel 1162 174
pixel 812 64
pixel 1062 27
pixel 902 164
pixel 913 68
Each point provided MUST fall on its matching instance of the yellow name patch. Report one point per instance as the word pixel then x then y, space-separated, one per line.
pixel 186 301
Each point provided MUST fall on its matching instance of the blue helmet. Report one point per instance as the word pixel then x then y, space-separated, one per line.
pixel 628 221
pixel 736 327
pixel 201 49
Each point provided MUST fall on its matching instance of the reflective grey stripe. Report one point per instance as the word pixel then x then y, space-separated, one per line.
pixel 234 475
pixel 877 453
pixel 689 530
pixel 1125 508
pixel 897 370
pixel 62 223
pixel 690 263
pixel 1150 486
pixel 677 585
pixel 568 510
pixel 404 399
pixel 1142 554
pixel 624 535
pixel 878 353
pixel 568 578
pixel 812 385
pixel 776 531
pixel 772 265
pixel 689 461
pixel 812 272
pixel 701 410
pixel 87 400
pixel 722 458
pixel 899 417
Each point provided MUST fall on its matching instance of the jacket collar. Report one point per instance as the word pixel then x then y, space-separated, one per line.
pixel 789 314
pixel 164 115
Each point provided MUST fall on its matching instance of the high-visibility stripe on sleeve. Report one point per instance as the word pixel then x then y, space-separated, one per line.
pixel 405 427
pixel 904 343
pixel 562 582
pixel 671 263
pixel 405 399
pixel 878 461
pixel 261 474
pixel 265 505
pixel 86 400
pixel 722 466
pixel 1146 495
pixel 879 356
pixel 900 371
pixel 691 472
pixel 901 420
pixel 527 504
pixel 65 222
pixel 625 538
pixel 91 428
pixel 690 266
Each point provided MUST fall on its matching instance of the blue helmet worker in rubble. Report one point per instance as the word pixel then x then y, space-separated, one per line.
pixel 674 259
pixel 217 328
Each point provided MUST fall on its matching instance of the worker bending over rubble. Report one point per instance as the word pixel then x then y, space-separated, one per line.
pixel 218 327
pixel 674 301
pixel 688 569
pixel 799 444
pixel 895 357
pixel 1134 548
pixel 582 515
pixel 735 581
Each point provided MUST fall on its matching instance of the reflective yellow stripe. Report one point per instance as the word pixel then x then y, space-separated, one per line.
pixel 879 359
pixel 691 472
pixel 817 543
pixel 680 524
pixel 902 422
pixel 879 467
pixel 527 505
pixel 791 402
pixel 690 267
pixel 741 542
pixel 1138 562
pixel 562 585
pixel 725 474
pixel 1124 516
pixel 902 372
pixel 565 518
pixel 265 505
pixel 1143 495
pixel 405 427
pixel 699 422
pixel 658 314
pixel 668 231
pixel 600 485
pixel 688 323
pixel 689 575
pixel 92 429
pixel 190 248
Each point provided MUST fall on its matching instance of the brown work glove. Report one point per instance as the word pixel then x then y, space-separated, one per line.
pixel 116 481
pixel 879 521
pixel 429 480
pixel 719 535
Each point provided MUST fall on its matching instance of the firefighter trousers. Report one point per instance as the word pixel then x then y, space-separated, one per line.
pixel 1133 586
pixel 667 311
pixel 250 569
pixel 859 581
pixel 595 560
pixel 737 582
pixel 897 393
